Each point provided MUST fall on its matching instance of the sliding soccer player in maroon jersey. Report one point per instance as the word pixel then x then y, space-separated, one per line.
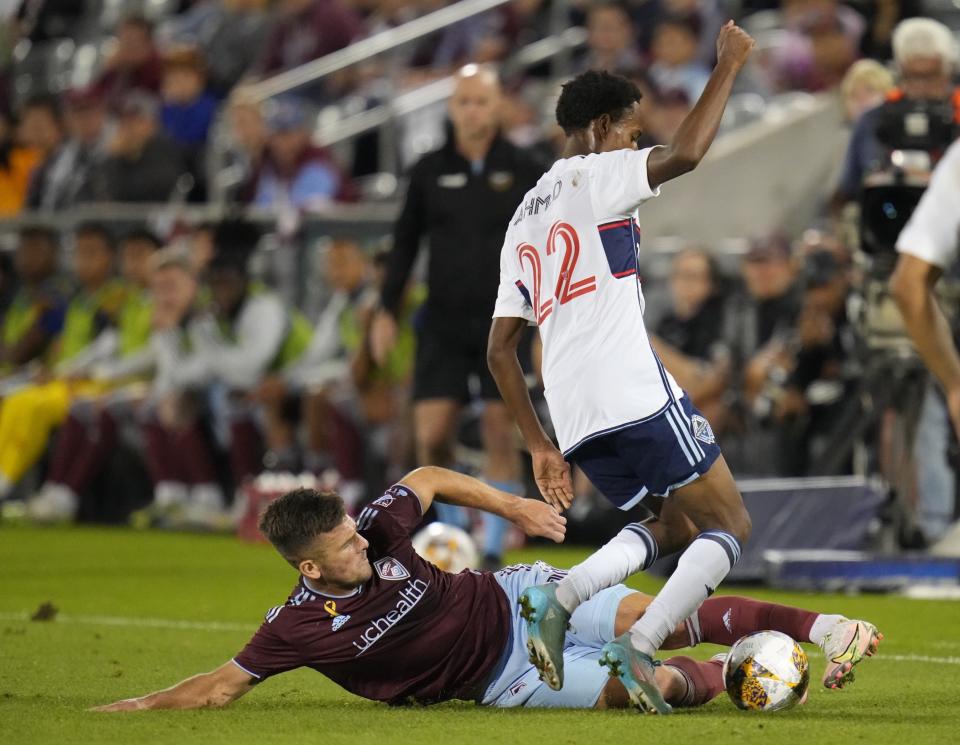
pixel 375 618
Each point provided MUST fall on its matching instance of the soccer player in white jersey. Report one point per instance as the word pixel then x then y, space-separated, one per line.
pixel 569 264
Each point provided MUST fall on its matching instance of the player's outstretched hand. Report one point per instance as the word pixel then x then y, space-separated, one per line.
pixel 128 704
pixel 552 474
pixel 734 45
pixel 536 518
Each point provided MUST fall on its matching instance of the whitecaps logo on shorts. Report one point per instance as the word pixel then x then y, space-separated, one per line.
pixel 702 429
pixel 391 569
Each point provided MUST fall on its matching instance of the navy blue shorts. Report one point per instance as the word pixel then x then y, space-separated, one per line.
pixel 663 452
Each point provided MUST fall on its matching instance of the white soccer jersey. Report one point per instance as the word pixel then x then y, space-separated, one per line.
pixel 569 264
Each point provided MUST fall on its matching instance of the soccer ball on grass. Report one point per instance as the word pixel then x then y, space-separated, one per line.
pixel 766 671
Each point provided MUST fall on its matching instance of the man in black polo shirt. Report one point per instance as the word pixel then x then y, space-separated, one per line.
pixel 461 199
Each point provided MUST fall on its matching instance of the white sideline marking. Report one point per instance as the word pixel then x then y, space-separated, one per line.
pixel 148 623
pixel 165 623
pixel 917 658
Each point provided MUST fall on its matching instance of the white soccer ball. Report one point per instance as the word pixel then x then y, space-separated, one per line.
pixel 766 671
pixel 447 547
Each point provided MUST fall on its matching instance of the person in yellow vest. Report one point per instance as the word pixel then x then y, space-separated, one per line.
pixel 34 317
pixel 246 333
pixel 28 416
pixel 121 359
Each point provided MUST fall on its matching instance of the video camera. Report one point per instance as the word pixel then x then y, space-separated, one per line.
pixel 914 134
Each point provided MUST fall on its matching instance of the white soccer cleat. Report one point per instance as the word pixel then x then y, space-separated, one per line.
pixel 54 503
pixel 845 646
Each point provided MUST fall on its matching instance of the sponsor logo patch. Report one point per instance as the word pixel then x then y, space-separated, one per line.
pixel 391 569
pixel 339 621
pixel 702 429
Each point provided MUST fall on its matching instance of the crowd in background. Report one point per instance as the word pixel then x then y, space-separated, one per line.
pixel 157 366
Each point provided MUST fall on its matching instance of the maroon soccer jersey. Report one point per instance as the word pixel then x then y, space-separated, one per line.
pixel 412 632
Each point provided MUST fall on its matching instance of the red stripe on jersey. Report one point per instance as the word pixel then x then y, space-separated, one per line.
pixel 629 272
pixel 612 225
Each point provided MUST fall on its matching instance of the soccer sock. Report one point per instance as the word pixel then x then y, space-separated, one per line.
pixel 701 568
pixel 820 627
pixel 704 680
pixel 629 551
pixel 723 620
pixel 495 528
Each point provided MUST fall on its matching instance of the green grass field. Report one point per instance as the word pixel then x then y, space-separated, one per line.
pixel 139 611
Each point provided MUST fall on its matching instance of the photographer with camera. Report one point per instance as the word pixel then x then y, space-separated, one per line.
pixel 924 52
pixel 928 248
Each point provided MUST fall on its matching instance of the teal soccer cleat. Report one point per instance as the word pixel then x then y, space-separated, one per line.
pixel 637 672
pixel 547 623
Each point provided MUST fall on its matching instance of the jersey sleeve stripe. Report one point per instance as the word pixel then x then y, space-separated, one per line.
pixel 248 672
pixel 612 225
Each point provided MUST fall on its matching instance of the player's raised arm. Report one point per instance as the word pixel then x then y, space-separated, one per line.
pixel 696 133
pixel 535 518
pixel 209 690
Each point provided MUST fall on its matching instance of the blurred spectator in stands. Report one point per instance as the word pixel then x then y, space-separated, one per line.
pixel 294 172
pixel 881 17
pixel 28 416
pixel 318 389
pixel 228 33
pixel 188 109
pixel 135 64
pixel 44 20
pixel 808 406
pixel 17 164
pixel 306 30
pixel 246 333
pixel 74 169
pixel 690 338
pixel 675 62
pixel 35 316
pixel 925 55
pixel 42 129
pixel 143 166
pixel 610 40
pixel 709 18
pixel 865 86
pixel 761 324
pixel 248 145
pixel 119 362
pixel 821 41
pixel 665 114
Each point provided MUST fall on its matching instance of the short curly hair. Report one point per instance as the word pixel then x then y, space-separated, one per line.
pixel 591 95
pixel 291 522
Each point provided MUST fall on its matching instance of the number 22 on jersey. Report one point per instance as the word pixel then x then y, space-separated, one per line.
pixel 567 288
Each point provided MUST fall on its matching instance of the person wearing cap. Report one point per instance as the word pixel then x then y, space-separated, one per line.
pixel 293 171
pixel 759 328
pixel 246 333
pixel 144 165
pixel 69 178
pixel 813 393
pixel 28 416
